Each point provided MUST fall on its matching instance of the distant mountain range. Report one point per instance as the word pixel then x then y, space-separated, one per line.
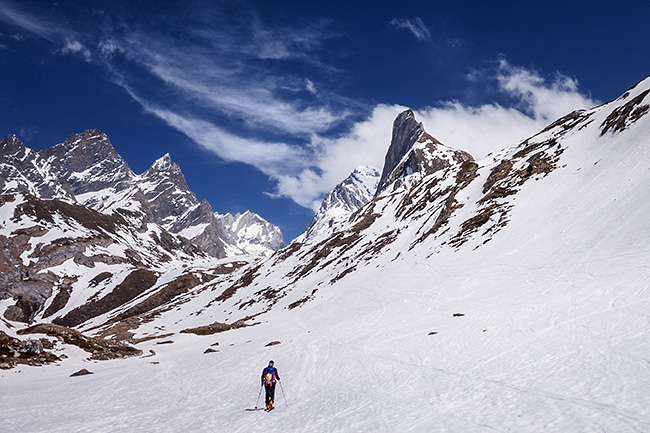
pixel 76 210
pixel 87 170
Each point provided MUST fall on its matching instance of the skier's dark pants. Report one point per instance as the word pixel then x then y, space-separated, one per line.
pixel 270 393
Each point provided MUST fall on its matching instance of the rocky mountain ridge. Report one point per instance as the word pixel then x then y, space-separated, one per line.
pixel 86 169
pixel 251 233
pixel 527 269
pixel 461 209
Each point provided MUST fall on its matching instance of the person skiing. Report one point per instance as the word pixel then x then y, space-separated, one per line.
pixel 269 377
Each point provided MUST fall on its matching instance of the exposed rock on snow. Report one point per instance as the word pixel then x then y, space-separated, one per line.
pixel 14 351
pixel 217 327
pixel 25 170
pixel 82 372
pixel 99 348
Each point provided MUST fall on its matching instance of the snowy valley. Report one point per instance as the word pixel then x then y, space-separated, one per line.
pixel 441 293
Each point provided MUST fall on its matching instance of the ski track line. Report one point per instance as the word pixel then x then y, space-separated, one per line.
pixel 634 421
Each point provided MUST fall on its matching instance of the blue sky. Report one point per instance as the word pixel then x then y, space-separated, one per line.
pixel 266 105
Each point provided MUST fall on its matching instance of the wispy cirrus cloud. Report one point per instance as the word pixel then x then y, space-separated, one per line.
pixel 414 25
pixel 237 76
pixel 260 94
pixel 46 28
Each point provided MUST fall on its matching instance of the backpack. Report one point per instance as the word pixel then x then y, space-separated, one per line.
pixel 269 378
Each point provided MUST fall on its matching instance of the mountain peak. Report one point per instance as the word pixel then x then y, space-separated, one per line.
pixel 163 163
pixel 81 151
pixel 413 150
pixel 347 197
pixel 88 137
pixel 11 145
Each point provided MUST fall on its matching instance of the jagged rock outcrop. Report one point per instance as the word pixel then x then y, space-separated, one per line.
pixel 177 209
pixel 167 193
pixel 99 177
pixel 413 150
pixel 24 170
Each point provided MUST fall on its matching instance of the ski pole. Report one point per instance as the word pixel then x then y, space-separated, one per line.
pixel 282 389
pixel 258 397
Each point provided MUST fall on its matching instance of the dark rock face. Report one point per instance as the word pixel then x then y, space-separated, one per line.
pixel 413 150
pixel 90 152
pixel 23 311
pixel 211 238
pixel 97 174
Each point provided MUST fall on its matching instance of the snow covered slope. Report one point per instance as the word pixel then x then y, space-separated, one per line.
pixel 337 206
pixel 508 294
pixel 251 233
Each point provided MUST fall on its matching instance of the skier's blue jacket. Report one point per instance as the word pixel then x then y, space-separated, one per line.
pixel 274 375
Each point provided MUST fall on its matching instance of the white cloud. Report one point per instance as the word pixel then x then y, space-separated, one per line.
pixel 544 100
pixel 223 74
pixel 332 159
pixel 492 127
pixel 272 158
pixel 107 48
pixel 73 46
pixel 309 85
pixel 415 26
pixel 478 130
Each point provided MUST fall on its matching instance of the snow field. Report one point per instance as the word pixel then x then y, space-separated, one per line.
pixel 538 349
